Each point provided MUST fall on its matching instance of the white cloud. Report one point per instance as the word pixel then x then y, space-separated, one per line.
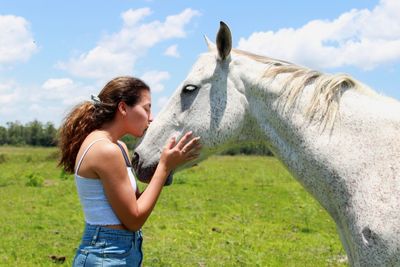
pixel 8 94
pixel 154 79
pixel 56 96
pixel 133 16
pixel 361 38
pixel 50 102
pixel 11 97
pixel 57 84
pixel 116 54
pixel 16 41
pixel 172 51
pixel 65 91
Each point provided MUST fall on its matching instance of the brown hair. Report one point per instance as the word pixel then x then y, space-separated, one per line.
pixel 89 116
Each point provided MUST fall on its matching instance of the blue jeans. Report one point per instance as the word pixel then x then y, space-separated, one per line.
pixel 102 246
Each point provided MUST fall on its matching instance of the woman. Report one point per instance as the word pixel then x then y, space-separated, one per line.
pixel 114 209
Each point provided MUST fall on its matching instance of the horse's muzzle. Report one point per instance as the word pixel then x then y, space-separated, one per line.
pixel 145 173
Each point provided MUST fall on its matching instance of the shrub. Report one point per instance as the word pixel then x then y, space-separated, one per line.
pixel 35 180
pixel 53 156
pixel 29 158
pixel 3 158
pixel 64 175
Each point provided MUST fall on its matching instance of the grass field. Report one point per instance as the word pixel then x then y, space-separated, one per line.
pixel 228 211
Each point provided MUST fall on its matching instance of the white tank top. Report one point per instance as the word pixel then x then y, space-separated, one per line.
pixel 96 207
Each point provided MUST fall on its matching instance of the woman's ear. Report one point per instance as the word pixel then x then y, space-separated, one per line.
pixel 122 108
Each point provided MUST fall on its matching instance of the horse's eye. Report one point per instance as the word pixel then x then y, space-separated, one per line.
pixel 190 87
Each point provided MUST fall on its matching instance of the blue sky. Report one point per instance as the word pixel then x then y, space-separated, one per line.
pixel 54 54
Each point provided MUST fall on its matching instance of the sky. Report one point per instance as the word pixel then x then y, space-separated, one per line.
pixel 55 54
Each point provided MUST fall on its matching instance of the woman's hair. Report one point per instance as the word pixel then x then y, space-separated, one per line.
pixel 89 116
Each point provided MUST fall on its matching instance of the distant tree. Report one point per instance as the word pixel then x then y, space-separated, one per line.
pixel 15 132
pixel 34 133
pixel 3 135
pixel 50 135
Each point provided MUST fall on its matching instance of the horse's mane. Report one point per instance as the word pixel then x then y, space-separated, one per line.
pixel 324 104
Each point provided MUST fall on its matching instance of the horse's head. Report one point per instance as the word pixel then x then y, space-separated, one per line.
pixel 210 102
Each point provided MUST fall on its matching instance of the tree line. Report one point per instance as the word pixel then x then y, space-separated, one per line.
pixel 33 133
pixel 36 133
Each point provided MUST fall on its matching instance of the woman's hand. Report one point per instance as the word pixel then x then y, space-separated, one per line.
pixel 175 154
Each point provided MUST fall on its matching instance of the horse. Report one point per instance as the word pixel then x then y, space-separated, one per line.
pixel 336 136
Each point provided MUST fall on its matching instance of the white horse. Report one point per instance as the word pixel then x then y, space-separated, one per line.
pixel 339 138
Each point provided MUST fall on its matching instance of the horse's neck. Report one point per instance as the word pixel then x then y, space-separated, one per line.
pixel 365 131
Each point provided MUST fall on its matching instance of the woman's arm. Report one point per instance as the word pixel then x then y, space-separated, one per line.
pixel 133 212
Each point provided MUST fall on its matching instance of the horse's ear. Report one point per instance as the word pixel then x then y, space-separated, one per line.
pixel 210 45
pixel 224 40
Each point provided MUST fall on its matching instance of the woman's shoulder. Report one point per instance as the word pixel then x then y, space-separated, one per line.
pixel 107 150
pixel 107 155
pixel 95 151
pixel 101 148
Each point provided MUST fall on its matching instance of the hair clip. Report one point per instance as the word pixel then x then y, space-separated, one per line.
pixel 95 100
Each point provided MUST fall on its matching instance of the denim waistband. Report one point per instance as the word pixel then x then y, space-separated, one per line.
pixel 99 232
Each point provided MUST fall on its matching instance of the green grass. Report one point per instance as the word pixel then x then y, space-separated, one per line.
pixel 228 211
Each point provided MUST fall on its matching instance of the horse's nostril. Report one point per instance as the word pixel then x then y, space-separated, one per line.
pixel 135 160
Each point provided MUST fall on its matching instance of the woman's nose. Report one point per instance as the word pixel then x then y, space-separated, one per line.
pixel 150 118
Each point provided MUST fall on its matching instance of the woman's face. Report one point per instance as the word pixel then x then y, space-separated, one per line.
pixel 139 116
